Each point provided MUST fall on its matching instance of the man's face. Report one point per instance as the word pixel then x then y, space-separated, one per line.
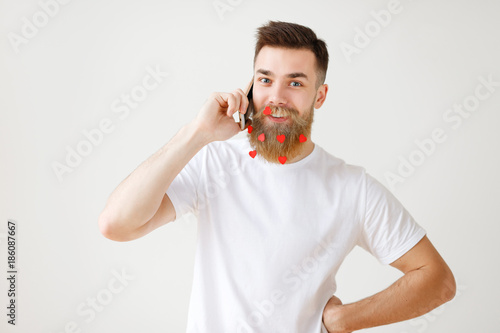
pixel 285 81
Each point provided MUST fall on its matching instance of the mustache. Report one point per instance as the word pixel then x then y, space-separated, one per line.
pixel 290 113
pixel 278 110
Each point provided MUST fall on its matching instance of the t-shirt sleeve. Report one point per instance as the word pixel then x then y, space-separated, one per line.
pixel 183 192
pixel 388 230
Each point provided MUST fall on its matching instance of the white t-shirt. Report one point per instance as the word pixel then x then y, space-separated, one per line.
pixel 271 237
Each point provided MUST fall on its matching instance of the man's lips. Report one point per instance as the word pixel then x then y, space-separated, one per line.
pixel 277 120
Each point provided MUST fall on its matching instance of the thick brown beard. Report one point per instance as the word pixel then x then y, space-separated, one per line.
pixel 271 148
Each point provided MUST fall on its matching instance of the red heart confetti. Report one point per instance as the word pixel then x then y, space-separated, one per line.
pixel 302 138
pixel 253 153
pixel 267 111
pixel 282 159
pixel 281 138
pixel 261 137
pixel 250 129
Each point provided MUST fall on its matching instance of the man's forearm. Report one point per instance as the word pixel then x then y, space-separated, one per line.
pixel 416 293
pixel 137 197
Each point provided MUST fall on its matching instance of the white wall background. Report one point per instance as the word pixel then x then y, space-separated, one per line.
pixel 70 69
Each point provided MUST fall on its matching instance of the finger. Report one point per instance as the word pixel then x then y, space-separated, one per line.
pixel 243 100
pixel 234 102
pixel 226 102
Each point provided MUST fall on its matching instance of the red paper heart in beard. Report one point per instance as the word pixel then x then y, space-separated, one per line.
pixel 281 138
pixel 261 137
pixel 267 111
pixel 253 153
pixel 250 129
pixel 302 138
pixel 282 159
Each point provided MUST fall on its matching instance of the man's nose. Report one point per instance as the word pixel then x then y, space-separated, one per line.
pixel 278 96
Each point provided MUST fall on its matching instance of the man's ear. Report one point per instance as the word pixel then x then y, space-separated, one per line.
pixel 320 96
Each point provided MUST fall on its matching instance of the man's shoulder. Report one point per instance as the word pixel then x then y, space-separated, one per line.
pixel 332 162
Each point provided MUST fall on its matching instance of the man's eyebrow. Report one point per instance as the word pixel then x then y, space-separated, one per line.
pixel 298 74
pixel 291 75
pixel 265 72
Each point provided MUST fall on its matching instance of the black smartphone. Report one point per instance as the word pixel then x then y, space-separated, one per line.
pixel 248 114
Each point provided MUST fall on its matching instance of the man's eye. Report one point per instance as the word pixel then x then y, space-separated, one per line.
pixel 296 84
pixel 264 80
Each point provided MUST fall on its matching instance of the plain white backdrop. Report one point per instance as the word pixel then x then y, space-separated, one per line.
pixel 67 67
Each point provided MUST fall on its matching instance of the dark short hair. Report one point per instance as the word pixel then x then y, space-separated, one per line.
pixel 294 36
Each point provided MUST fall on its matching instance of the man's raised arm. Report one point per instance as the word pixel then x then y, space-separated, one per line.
pixel 139 204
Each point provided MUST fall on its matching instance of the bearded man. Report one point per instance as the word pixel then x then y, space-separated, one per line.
pixel 277 214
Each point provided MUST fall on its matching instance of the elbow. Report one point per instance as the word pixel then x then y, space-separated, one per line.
pixel 447 286
pixel 109 227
